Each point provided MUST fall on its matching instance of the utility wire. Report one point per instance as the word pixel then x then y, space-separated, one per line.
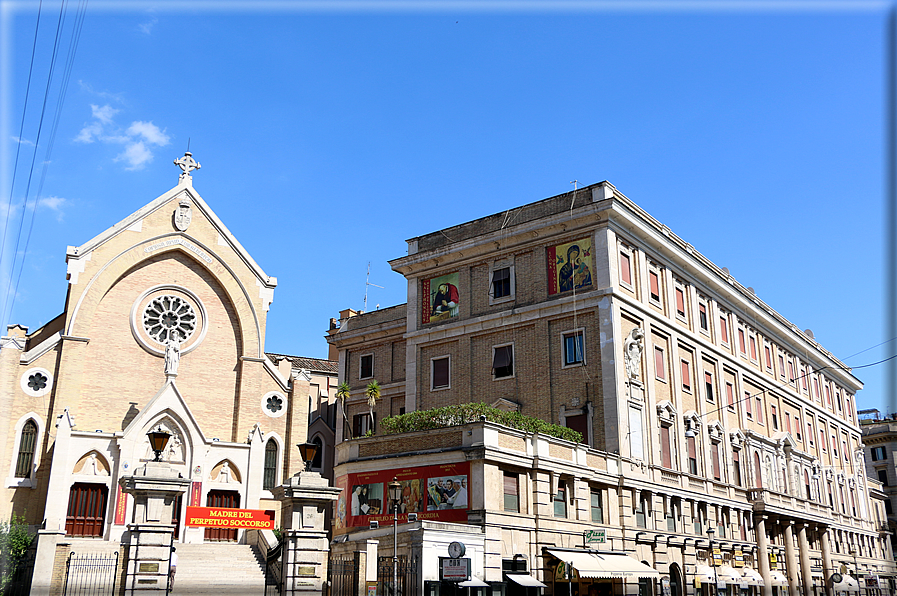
pixel 70 60
pixel 19 144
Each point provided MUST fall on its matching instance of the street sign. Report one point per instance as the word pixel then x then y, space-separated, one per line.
pixel 454 570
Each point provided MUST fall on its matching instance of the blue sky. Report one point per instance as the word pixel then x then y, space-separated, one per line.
pixel 329 134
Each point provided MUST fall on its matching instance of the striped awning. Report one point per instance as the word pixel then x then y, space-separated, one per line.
pixel 605 565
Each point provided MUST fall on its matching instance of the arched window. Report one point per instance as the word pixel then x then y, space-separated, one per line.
pixel 319 453
pixel 270 478
pixel 26 450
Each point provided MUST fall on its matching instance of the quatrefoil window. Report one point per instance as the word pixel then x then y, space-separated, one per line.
pixel 275 404
pixel 169 317
pixel 37 381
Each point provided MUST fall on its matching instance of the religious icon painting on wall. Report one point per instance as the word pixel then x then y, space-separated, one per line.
pixel 569 266
pixel 440 298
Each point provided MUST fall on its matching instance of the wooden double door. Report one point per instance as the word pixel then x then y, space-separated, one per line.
pixel 86 512
pixel 222 498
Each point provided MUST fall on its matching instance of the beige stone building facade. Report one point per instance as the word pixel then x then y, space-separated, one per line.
pixel 163 326
pixel 719 413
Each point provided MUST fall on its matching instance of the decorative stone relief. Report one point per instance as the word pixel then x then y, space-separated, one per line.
pixel 274 404
pixel 633 348
pixel 183 215
pixel 36 382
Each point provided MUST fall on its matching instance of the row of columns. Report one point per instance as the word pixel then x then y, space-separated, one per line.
pixel 791 560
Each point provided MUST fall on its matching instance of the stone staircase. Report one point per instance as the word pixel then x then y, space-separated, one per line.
pixel 219 569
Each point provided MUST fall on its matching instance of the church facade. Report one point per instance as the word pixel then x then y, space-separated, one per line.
pixel 163 327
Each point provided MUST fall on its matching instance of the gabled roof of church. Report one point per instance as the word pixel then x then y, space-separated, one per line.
pixel 184 187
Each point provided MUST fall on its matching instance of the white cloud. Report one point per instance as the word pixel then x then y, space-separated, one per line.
pixel 136 155
pixel 104 94
pixel 148 131
pixel 147 27
pixel 22 141
pixel 54 204
pixel 137 138
pixel 89 132
pixel 103 113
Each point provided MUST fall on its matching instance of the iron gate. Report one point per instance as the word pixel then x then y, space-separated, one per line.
pixel 342 576
pixel 90 574
pixel 408 584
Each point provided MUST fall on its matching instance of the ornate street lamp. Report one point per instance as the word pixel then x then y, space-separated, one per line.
pixel 395 495
pixel 158 439
pixel 308 452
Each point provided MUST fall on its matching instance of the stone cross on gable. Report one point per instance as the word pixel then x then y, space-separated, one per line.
pixel 187 164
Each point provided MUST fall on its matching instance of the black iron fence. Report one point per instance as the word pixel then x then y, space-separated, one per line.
pixel 90 574
pixel 19 573
pixel 405 582
pixel 342 576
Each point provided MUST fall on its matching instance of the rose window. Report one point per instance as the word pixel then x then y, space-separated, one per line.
pixel 275 404
pixel 169 317
pixel 37 381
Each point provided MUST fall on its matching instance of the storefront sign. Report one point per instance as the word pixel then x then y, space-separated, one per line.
pixel 434 493
pixel 195 494
pixel 121 507
pixel 454 570
pixel 222 517
pixel 772 561
pixel 561 571
pixel 594 536
pixel 738 561
pixel 717 556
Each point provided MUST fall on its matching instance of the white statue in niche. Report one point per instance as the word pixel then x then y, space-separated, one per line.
pixel 91 466
pixel 633 348
pixel 172 354
pixel 224 473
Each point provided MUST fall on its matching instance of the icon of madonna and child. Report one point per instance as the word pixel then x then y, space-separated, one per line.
pixel 569 266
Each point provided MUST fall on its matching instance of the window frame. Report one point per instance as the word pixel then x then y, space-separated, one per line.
pixel 654 277
pixel 562 490
pixel 512 283
pixel 626 253
pixel 679 294
pixel 506 476
pixel 513 373
pixel 29 481
pixel 685 371
pixel 660 359
pixel 448 384
pixel 709 386
pixel 572 333
pixel 596 492
pixel 723 328
pixel 361 358
pixel 703 317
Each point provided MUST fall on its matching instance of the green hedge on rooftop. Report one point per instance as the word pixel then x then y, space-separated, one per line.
pixel 466 413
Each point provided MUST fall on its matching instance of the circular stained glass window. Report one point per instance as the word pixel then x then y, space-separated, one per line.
pixel 169 316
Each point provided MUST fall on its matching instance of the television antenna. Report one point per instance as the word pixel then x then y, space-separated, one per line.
pixel 367 282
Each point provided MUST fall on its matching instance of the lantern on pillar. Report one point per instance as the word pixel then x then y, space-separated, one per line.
pixel 308 452
pixel 158 439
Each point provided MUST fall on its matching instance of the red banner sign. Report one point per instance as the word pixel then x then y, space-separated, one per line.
pixel 222 517
pixel 437 493
pixel 195 494
pixel 121 507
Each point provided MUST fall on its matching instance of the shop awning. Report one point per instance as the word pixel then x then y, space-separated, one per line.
pixel 703 575
pixel 847 584
pixel 605 565
pixel 526 580
pixel 752 577
pixel 777 578
pixel 730 576
pixel 473 583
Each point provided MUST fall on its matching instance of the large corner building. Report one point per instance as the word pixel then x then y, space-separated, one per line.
pixel 706 416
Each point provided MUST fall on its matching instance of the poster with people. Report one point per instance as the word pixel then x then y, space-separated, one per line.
pixel 440 298
pixel 432 492
pixel 570 266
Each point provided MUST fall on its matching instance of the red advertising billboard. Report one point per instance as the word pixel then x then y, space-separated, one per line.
pixel 121 507
pixel 432 492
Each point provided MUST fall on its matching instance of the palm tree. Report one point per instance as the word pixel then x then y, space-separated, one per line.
pixel 373 393
pixel 342 394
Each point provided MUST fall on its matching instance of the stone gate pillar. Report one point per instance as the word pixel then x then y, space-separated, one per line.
pixel 306 544
pixel 148 540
